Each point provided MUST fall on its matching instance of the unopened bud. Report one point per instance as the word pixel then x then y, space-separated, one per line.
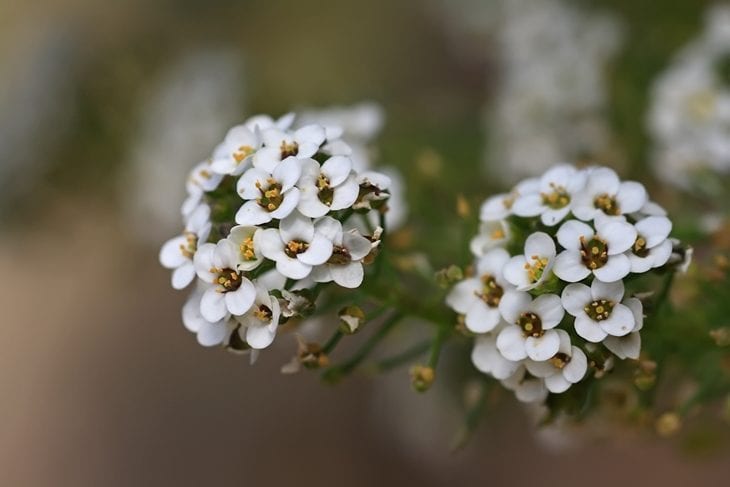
pixel 422 377
pixel 446 277
pixel 352 319
pixel 312 356
pixel 462 206
pixel 668 424
pixel 721 336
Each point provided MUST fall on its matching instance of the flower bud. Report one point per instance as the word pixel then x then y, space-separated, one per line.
pixel 422 377
pixel 668 424
pixel 352 318
pixel 446 277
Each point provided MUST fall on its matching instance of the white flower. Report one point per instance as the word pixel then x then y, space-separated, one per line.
pixel 491 234
pixel 628 346
pixel 236 151
pixel 600 252
pixel 566 367
pixel 374 188
pixel 499 207
pixel 295 246
pixel 605 193
pixel 598 310
pixel 478 298
pixel 228 290
pixel 201 179
pixel 531 332
pixel 208 333
pixel 331 186
pixel 279 144
pixel 262 320
pixel 558 187
pixel 652 248
pixel 177 253
pixel 265 122
pixel 486 358
pixel 269 195
pixel 349 248
pixel 243 239
pixel 530 270
pixel 527 388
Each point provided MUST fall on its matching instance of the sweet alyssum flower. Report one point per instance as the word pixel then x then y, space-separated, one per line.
pixel 250 243
pixel 564 309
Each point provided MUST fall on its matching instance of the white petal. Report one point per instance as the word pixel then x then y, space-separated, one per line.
pixel 493 262
pixel 549 308
pixel 259 337
pixel 617 267
pixel 661 253
pixel 481 318
pixel 540 244
pixel 239 301
pixel 330 228
pixel 289 202
pixel 588 329
pixel 631 196
pixel 345 195
pixel 494 208
pixel 191 317
pixel 247 184
pixel 203 261
pixel 628 346
pixel 577 367
pixel 486 358
pixel 557 383
pixel 292 268
pixel 540 369
pixel 612 291
pixel 569 266
pixel 183 276
pixel 348 276
pixel 337 169
pixel 543 348
pixel 321 273
pixel 619 236
pixel 552 217
pixel 319 251
pixel 654 229
pixel 357 245
pixel 267 158
pixel 620 323
pixel 251 213
pixel 213 305
pixel 287 173
pixel 463 295
pixel 212 334
pixel 296 227
pixel 268 242
pixel 570 233
pixel 313 133
pixel 310 204
pixel 528 205
pixel 575 297
pixel 170 255
pixel 515 273
pixel 603 180
pixel 511 343
pixel 531 390
pixel 512 304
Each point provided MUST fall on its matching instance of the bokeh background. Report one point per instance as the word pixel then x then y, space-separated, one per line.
pixel 104 106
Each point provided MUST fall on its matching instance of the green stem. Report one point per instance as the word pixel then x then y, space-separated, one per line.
pixel 332 342
pixel 436 345
pixel 473 416
pixel 664 292
pixel 337 372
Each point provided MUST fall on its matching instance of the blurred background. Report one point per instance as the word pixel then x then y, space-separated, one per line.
pixel 104 107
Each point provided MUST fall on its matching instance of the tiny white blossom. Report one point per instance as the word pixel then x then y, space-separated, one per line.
pixel 531 269
pixel 486 357
pixel 628 346
pixel 234 154
pixel 207 333
pixel 491 234
pixel 262 320
pixel 600 252
pixel 177 253
pixel 568 366
pixel 527 388
pixel 278 145
pixel 268 195
pixel 479 297
pixel 228 290
pixel 531 332
pixel 558 187
pixel 331 186
pixel 598 310
pixel 605 193
pixel 652 247
pixel 374 187
pixel 344 266
pixel 295 246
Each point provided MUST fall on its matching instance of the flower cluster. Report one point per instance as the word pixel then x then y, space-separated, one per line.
pixel 690 114
pixel 273 210
pixel 548 283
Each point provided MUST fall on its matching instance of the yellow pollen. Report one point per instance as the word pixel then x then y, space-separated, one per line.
pixel 205 174
pixel 498 234
pixel 243 152
pixel 246 249
pixel 595 250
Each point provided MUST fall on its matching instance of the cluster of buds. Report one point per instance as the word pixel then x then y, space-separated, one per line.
pixel 548 290
pixel 277 211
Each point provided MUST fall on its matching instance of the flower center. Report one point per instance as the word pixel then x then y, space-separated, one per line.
pixel 326 192
pixel 560 360
pixel 288 149
pixel 600 309
pixel 190 246
pixel 246 249
pixel 558 198
pixel 639 247
pixel 242 152
pixel 594 252
pixel 491 291
pixel 531 325
pixel 263 313
pixel 536 269
pixel 271 196
pixel 340 256
pixel 497 234
pixel 295 247
pixel 227 279
pixel 607 204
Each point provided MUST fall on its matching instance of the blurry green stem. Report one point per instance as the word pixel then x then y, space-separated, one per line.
pixel 664 292
pixel 332 342
pixel 441 334
pixel 404 357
